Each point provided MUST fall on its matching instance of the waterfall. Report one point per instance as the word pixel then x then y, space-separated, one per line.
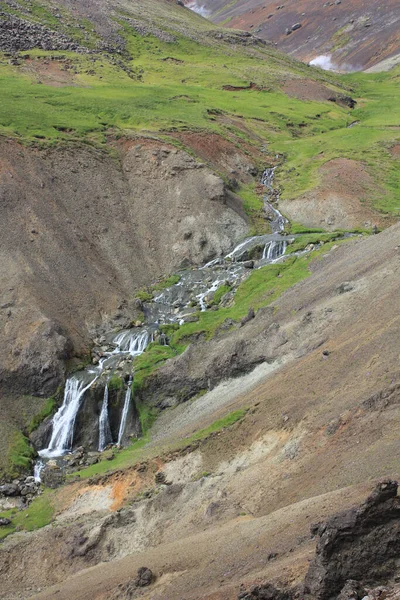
pixel 104 424
pixel 274 249
pixel 279 222
pixel 134 342
pixel 203 295
pixel 64 419
pixel 38 468
pixel 125 412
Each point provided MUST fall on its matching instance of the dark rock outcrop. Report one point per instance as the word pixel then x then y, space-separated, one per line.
pixel 357 550
pixel 360 544
pixel 17 34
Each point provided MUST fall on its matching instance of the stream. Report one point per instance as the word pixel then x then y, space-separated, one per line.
pixel 171 305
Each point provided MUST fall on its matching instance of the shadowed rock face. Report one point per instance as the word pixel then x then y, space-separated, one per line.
pixel 360 544
pixel 355 548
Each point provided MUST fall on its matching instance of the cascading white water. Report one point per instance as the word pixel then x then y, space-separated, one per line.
pixel 64 419
pixel 274 250
pixel 203 295
pixel 104 424
pixel 133 342
pixel 38 468
pixel 125 410
pixel 267 179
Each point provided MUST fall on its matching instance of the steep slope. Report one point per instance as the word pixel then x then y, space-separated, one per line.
pixel 104 193
pixel 238 503
pixel 351 35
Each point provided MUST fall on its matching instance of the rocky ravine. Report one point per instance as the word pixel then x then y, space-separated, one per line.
pixel 81 231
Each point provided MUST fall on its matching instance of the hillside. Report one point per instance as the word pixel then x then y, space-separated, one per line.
pixel 348 35
pixel 199 299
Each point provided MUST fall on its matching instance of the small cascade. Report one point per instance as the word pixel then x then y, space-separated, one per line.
pixel 203 295
pixel 274 250
pixel 64 419
pixel 125 410
pixel 132 342
pixel 38 468
pixel 279 221
pixel 105 437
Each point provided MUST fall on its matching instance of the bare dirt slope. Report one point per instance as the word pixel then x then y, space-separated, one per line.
pixel 321 427
pixel 356 33
pixel 80 232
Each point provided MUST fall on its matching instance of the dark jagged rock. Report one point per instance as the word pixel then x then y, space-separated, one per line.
pixel 144 577
pixel 356 550
pixel 17 34
pixel 250 315
pixel 359 544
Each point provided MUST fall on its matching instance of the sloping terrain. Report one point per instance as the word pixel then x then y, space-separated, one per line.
pixel 130 103
pixel 349 35
pixel 236 505
pixel 133 140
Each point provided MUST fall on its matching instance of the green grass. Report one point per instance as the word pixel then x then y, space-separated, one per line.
pixel 253 205
pixel 378 113
pixel 218 425
pixel 219 293
pixel 166 283
pixel 47 410
pixel 261 288
pixel 115 383
pixel 39 513
pixel 188 93
pixel 303 241
pixel 144 296
pixel 21 455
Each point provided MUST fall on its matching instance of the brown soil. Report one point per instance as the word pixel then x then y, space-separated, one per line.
pixel 395 150
pixel 49 72
pixel 307 89
pixel 232 88
pixel 234 158
pixel 342 199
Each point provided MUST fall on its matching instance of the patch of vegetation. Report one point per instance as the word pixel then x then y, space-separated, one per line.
pixel 218 425
pixel 39 513
pixel 301 242
pixel 169 328
pixel 261 288
pixel 21 455
pixel 219 293
pixel 253 205
pixel 166 283
pixel 115 383
pixel 147 416
pixel 144 296
pixel 296 228
pixel 154 356
pixel 47 410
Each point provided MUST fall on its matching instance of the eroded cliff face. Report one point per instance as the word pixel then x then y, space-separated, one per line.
pixel 81 230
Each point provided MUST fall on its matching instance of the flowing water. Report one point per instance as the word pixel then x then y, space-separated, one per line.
pixel 172 305
pixel 64 420
pixel 105 436
pixel 125 410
